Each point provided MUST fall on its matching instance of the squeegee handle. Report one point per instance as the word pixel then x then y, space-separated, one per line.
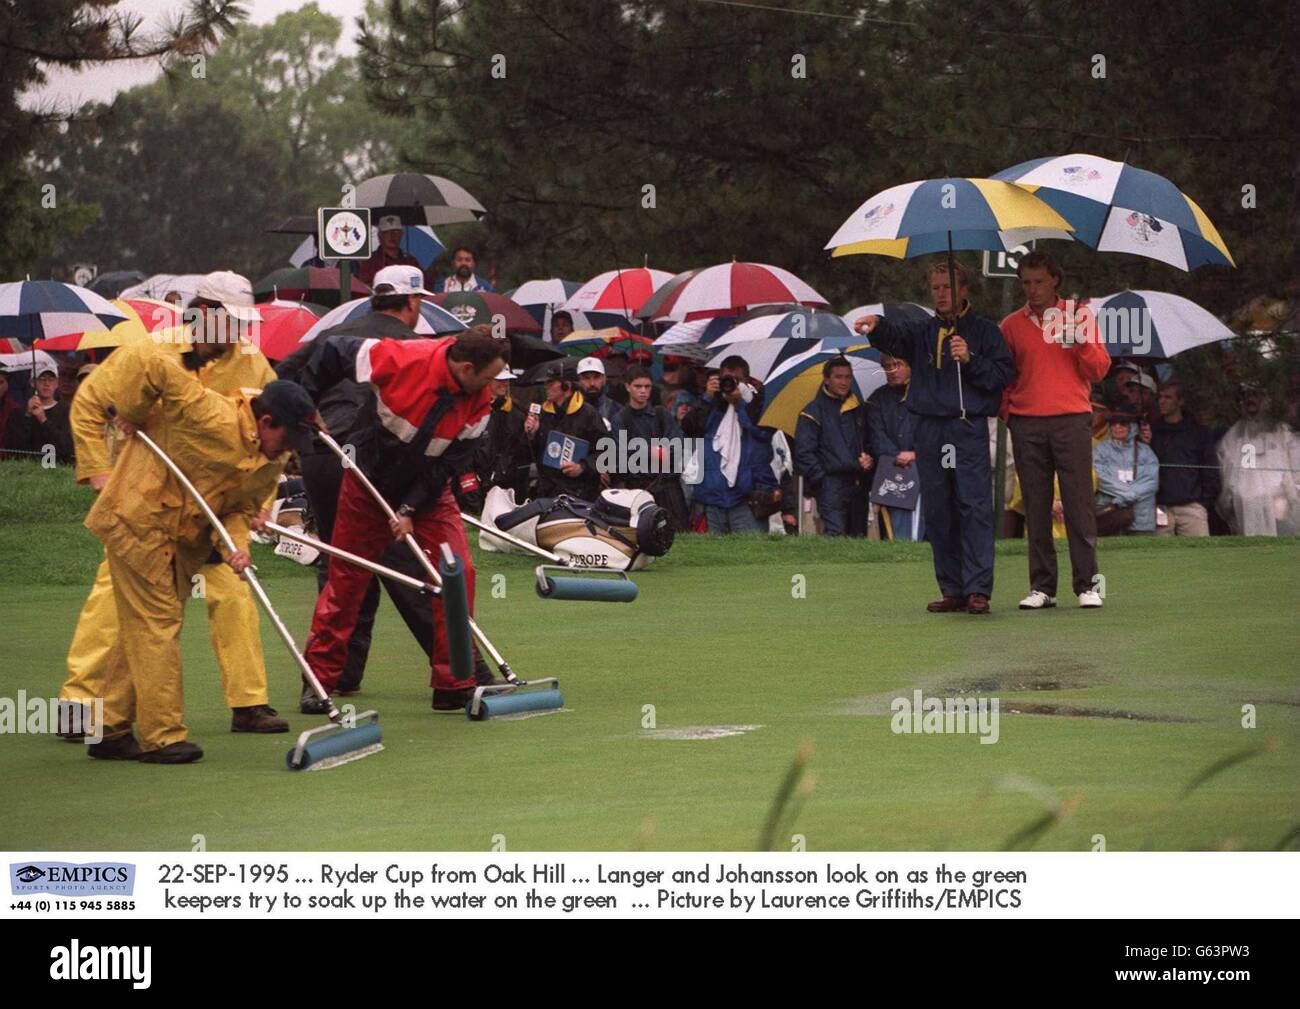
pixel 249 573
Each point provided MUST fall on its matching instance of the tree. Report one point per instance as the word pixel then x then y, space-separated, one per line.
pixel 761 129
pixel 42 34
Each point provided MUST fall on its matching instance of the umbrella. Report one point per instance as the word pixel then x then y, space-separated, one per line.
pixel 27 360
pixel 584 341
pixel 110 285
pixel 162 284
pixel 433 321
pixel 793 384
pixel 1114 207
pixel 475 308
pixel 1152 324
pixel 800 325
pixel 727 289
pixel 902 311
pixel 143 316
pixel 418 199
pixel 12 345
pixel 534 374
pixel 317 284
pixel 696 333
pixel 282 328
pixel 765 356
pixel 934 215
pixel 619 291
pixel 541 294
pixel 527 350
pixel 33 309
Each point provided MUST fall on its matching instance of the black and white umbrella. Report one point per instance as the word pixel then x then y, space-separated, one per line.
pixel 419 199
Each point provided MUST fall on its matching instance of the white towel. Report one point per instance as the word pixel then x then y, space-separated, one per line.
pixel 726 440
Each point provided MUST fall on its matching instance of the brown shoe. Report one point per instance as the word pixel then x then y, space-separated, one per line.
pixel 977 604
pixel 948 604
pixel 257 718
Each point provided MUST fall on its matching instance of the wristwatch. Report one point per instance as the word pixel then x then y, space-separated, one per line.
pixel 406 511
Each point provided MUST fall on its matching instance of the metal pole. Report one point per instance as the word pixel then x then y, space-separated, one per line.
pixel 345 278
pixel 1000 462
pixel 249 575
pixel 523 544
pixel 284 532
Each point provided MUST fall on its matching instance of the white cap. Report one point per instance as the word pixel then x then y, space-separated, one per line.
pixel 588 364
pixel 399 280
pixel 390 222
pixel 506 375
pixel 233 292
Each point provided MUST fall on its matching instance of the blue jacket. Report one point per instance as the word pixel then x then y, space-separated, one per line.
pixel 1109 458
pixel 890 423
pixel 829 437
pixel 933 392
pixel 755 471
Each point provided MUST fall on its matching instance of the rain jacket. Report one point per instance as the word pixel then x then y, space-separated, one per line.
pixel 418 430
pixel 144 516
pixel 1110 460
pixel 244 367
pixel 1260 466
pixel 1188 465
pixel 579 419
pixel 755 469
pixel 829 436
pixel 889 422
pixel 924 344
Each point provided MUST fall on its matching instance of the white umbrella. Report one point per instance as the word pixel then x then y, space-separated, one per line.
pixel 1154 324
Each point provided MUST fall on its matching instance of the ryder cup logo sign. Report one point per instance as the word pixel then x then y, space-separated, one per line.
pixel 69 879
pixel 343 233
pixel 1078 175
pixel 876 216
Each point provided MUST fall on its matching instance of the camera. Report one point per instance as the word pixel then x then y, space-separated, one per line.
pixel 726 384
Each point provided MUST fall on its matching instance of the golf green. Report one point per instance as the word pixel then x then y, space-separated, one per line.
pixel 1124 728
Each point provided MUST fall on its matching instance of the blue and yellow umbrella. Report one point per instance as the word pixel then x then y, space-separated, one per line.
pixel 793 384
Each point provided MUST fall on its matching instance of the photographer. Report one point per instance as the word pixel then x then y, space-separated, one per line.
pixel 830 448
pixel 737 452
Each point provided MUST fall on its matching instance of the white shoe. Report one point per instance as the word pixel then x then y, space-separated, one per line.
pixel 1037 601
pixel 1090 600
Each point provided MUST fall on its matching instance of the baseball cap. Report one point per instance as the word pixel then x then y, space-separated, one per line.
pixel 1144 380
pixel 44 369
pixel 506 375
pixel 590 364
pixel 390 222
pixel 399 280
pixel 86 369
pixel 233 292
pixel 290 406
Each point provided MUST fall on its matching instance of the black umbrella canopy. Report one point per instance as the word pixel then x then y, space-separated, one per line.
pixel 419 199
pixel 110 285
pixel 527 351
pixel 537 374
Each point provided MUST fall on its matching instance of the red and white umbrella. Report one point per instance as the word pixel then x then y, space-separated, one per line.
pixel 728 289
pixel 282 327
pixel 619 291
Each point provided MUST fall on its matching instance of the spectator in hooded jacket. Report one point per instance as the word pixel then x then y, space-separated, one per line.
pixel 890 433
pixel 830 447
pixel 1122 483
pixel 566 411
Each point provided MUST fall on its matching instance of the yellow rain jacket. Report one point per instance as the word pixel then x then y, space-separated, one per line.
pixel 144 515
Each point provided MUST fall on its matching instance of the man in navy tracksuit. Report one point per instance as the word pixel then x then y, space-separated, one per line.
pixel 953 405
pixel 830 447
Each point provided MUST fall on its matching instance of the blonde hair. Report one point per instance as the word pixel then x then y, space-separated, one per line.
pixel 941 266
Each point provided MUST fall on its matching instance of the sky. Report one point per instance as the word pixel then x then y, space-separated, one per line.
pixel 101 83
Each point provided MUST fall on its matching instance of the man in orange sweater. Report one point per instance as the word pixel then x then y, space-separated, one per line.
pixel 1058 355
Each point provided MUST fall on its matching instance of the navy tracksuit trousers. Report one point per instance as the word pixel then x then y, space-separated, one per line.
pixel 957 501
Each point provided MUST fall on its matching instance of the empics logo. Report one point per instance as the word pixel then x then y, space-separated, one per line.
pixel 75 962
pixel 69 879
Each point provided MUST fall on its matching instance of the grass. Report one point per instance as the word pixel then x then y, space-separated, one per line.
pixel 1192 631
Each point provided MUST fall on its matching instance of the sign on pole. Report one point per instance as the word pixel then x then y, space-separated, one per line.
pixel 1003 264
pixel 343 232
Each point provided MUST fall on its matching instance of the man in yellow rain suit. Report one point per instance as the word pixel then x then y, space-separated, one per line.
pixel 209 346
pixel 157 538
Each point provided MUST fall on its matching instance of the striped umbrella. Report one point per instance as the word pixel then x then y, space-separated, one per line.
pixel 433 321
pixel 34 309
pixel 727 289
pixel 27 360
pixel 484 308
pixel 794 383
pixel 903 311
pixel 621 292
pixel 143 316
pixel 419 199
pixel 12 345
pixel 1114 207
pixel 801 325
pixel 1153 324
pixel 551 292
pixel 162 284
pixel 938 215
pixel 765 356
pixel 697 332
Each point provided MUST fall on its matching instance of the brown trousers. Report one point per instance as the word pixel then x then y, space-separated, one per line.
pixel 1060 446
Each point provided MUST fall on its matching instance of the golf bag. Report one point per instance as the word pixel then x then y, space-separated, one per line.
pixel 623 530
pixel 292 509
